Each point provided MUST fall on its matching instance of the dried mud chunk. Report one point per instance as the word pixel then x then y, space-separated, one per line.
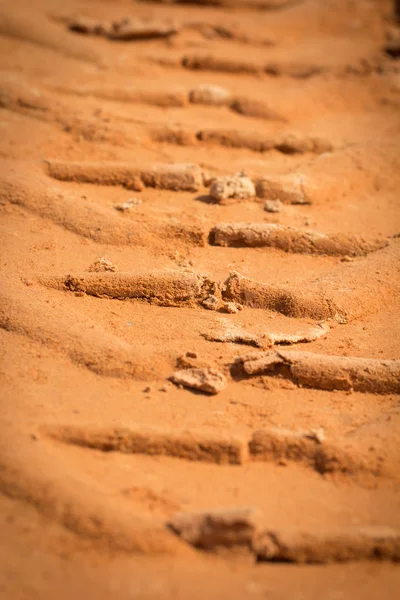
pixel 294 144
pixel 297 70
pixel 233 186
pixel 358 543
pixel 292 239
pixel 102 265
pixel 235 335
pixel 238 335
pixel 326 372
pixel 237 139
pixel 213 63
pixel 288 189
pixel 314 333
pixel 124 29
pixel 164 288
pixel 136 29
pixel 173 135
pixel 259 142
pixel 219 527
pixel 273 206
pixel 206 380
pixel 273 445
pixel 210 94
pixel 254 108
pixel 231 307
pixel 128 205
pixel 193 444
pixel 311 449
pixel 212 302
pixel 177 177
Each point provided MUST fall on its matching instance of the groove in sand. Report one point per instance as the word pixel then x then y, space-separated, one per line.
pixel 83 217
pixel 81 339
pixel 78 504
pixel 350 291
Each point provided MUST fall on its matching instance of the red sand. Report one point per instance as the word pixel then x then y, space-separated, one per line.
pixel 99 450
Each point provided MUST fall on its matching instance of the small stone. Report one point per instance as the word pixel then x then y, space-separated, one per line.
pixel 231 307
pixel 102 265
pixel 227 527
pixel 211 303
pixel 340 319
pixel 273 206
pixel 237 186
pixel 208 93
pixel 192 354
pixel 147 389
pixel 128 205
pixel 289 189
pixel 346 259
pixel 206 380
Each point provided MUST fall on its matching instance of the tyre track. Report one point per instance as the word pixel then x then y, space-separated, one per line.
pixel 45 313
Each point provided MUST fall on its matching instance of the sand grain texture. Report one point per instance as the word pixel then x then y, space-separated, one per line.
pixel 199 303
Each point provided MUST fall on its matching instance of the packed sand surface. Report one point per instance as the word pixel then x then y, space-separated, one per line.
pixel 199 302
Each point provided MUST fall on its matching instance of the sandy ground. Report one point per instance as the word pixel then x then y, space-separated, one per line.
pixel 98 449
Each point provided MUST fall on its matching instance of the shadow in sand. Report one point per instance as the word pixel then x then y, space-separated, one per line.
pixel 206 199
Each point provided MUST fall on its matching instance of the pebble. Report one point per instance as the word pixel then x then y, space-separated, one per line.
pixel 101 265
pixel 206 380
pixel 208 93
pixel 128 205
pixel 211 303
pixel 232 307
pixel 233 186
pixel 273 206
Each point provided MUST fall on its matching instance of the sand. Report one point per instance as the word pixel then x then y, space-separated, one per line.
pixel 146 450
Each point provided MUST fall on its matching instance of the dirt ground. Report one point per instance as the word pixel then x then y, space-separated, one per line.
pixel 100 304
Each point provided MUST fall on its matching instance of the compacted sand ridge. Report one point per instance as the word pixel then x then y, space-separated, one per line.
pixel 199 303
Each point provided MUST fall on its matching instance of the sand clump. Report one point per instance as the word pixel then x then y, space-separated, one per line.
pixel 102 265
pixel 210 529
pixel 237 186
pixel 291 239
pixel 125 29
pixel 328 372
pixel 210 94
pixel 210 381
